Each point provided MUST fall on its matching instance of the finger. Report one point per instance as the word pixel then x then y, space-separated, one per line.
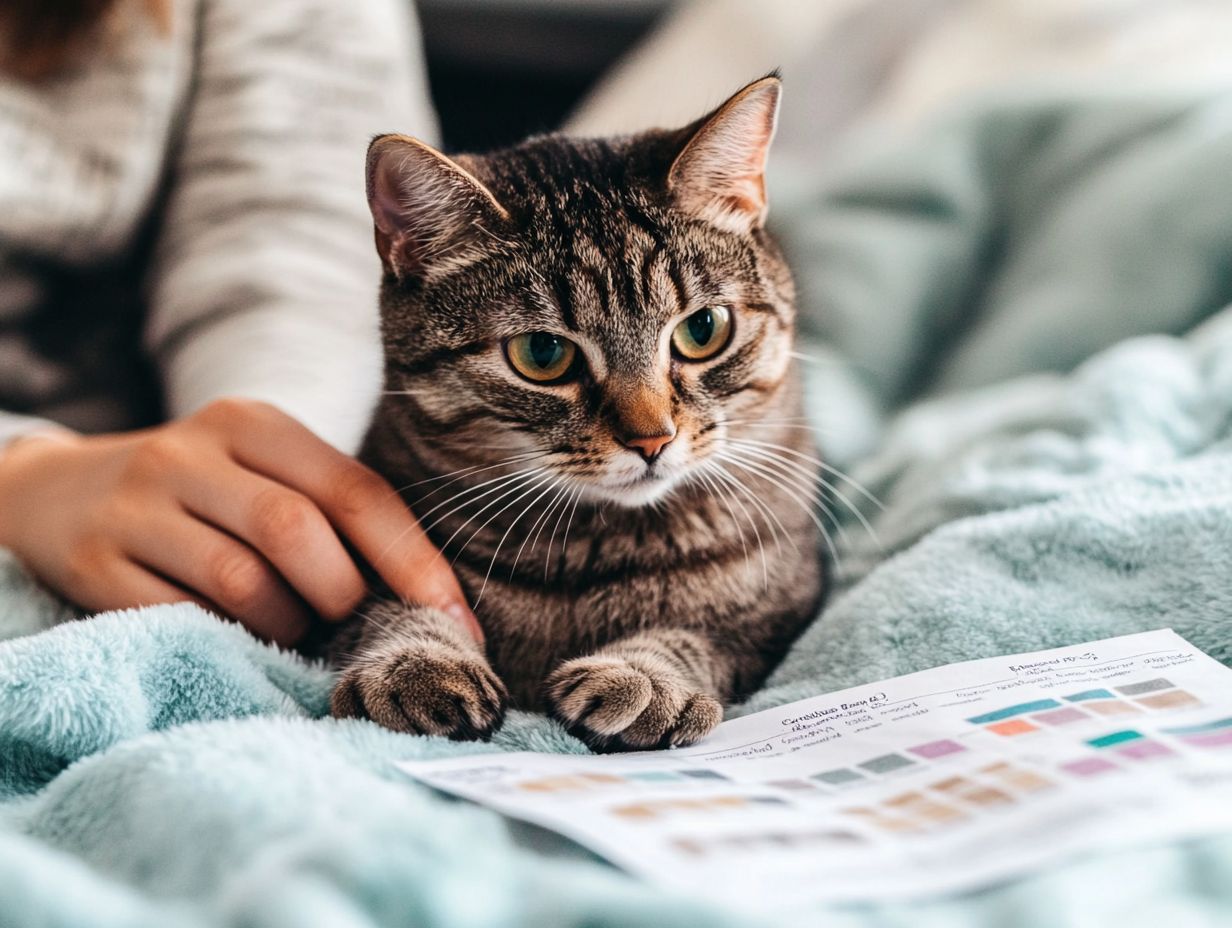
pixel 287 529
pixel 362 506
pixel 221 569
pixel 122 584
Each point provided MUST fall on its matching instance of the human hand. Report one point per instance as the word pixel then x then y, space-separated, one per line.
pixel 237 507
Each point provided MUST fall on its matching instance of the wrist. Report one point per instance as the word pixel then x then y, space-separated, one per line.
pixel 31 442
pixel 21 456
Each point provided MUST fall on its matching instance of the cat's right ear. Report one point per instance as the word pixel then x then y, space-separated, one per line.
pixel 432 216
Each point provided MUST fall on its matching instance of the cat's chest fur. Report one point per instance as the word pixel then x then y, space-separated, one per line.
pixel 741 565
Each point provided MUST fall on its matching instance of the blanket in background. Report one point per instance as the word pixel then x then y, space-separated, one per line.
pixel 163 768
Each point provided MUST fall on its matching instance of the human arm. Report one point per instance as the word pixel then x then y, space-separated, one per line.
pixel 263 316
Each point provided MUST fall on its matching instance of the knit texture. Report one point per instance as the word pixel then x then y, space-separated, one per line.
pixel 184 215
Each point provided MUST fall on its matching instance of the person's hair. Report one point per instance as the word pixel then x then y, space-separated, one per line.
pixel 41 36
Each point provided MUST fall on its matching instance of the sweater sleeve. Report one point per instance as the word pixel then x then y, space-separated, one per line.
pixel 265 278
pixel 14 426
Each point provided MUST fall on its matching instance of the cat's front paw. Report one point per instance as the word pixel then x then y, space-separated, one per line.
pixel 614 704
pixel 423 689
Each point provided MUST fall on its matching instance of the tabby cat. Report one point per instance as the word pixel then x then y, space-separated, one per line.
pixel 592 406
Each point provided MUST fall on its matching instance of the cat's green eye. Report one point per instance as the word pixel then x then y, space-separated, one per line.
pixel 703 334
pixel 541 356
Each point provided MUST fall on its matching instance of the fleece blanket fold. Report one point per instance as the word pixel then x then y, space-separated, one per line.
pixel 1050 274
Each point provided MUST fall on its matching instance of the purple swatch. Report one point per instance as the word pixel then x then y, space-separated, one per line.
pixel 935 749
pixel 1089 766
pixel 1061 716
pixel 1216 739
pixel 1145 750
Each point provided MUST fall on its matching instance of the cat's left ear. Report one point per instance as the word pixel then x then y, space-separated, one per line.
pixel 432 215
pixel 719 175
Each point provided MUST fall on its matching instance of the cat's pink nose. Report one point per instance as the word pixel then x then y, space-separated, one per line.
pixel 649 446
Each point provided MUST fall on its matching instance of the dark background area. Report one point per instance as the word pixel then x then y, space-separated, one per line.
pixel 503 69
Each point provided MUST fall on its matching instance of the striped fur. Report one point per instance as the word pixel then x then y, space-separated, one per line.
pixel 632 601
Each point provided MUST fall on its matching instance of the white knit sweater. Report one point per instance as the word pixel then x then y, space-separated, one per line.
pixel 182 216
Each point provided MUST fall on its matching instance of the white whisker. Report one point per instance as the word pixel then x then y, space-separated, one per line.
pixel 715 490
pixel 500 482
pixel 801 479
pixel 840 495
pixel 552 483
pixel 419 518
pixel 564 542
pixel 518 480
pixel 722 474
pixel 547 557
pixel 488 521
pixel 765 507
pixel 465 472
pixel 540 523
pixel 866 493
pixel 798 422
pixel 769 475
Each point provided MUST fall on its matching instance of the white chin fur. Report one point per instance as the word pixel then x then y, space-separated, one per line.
pixel 633 496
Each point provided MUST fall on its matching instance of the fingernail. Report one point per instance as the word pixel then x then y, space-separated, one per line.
pixel 467 619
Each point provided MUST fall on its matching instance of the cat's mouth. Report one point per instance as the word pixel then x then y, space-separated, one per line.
pixel 642 489
pixel 629 480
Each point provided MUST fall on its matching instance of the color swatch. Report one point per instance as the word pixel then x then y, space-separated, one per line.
pixel 839 777
pixel 1064 716
pixel 659 808
pixel 1145 750
pixel 886 763
pixel 1131 744
pixel 1215 734
pixel 1146 686
pixel 590 781
pixel 702 774
pixel 883 820
pixel 1114 738
pixel 1038 705
pixel 1157 694
pixel 928 811
pixel 1022 779
pixel 1215 739
pixel 973 792
pixel 934 749
pixel 753 842
pixel 1173 699
pixel 1011 727
pixel 570 782
pixel 795 786
pixel 1090 767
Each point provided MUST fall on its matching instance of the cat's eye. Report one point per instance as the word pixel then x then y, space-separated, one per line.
pixel 542 356
pixel 703 334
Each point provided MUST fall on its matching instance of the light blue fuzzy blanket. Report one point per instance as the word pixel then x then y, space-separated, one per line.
pixel 162 768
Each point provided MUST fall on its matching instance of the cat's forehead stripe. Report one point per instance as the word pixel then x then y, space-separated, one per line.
pixel 659 285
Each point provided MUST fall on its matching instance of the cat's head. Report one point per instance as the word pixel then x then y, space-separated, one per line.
pixel 607 310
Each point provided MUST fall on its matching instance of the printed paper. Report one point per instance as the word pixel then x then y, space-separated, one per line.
pixel 935 781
